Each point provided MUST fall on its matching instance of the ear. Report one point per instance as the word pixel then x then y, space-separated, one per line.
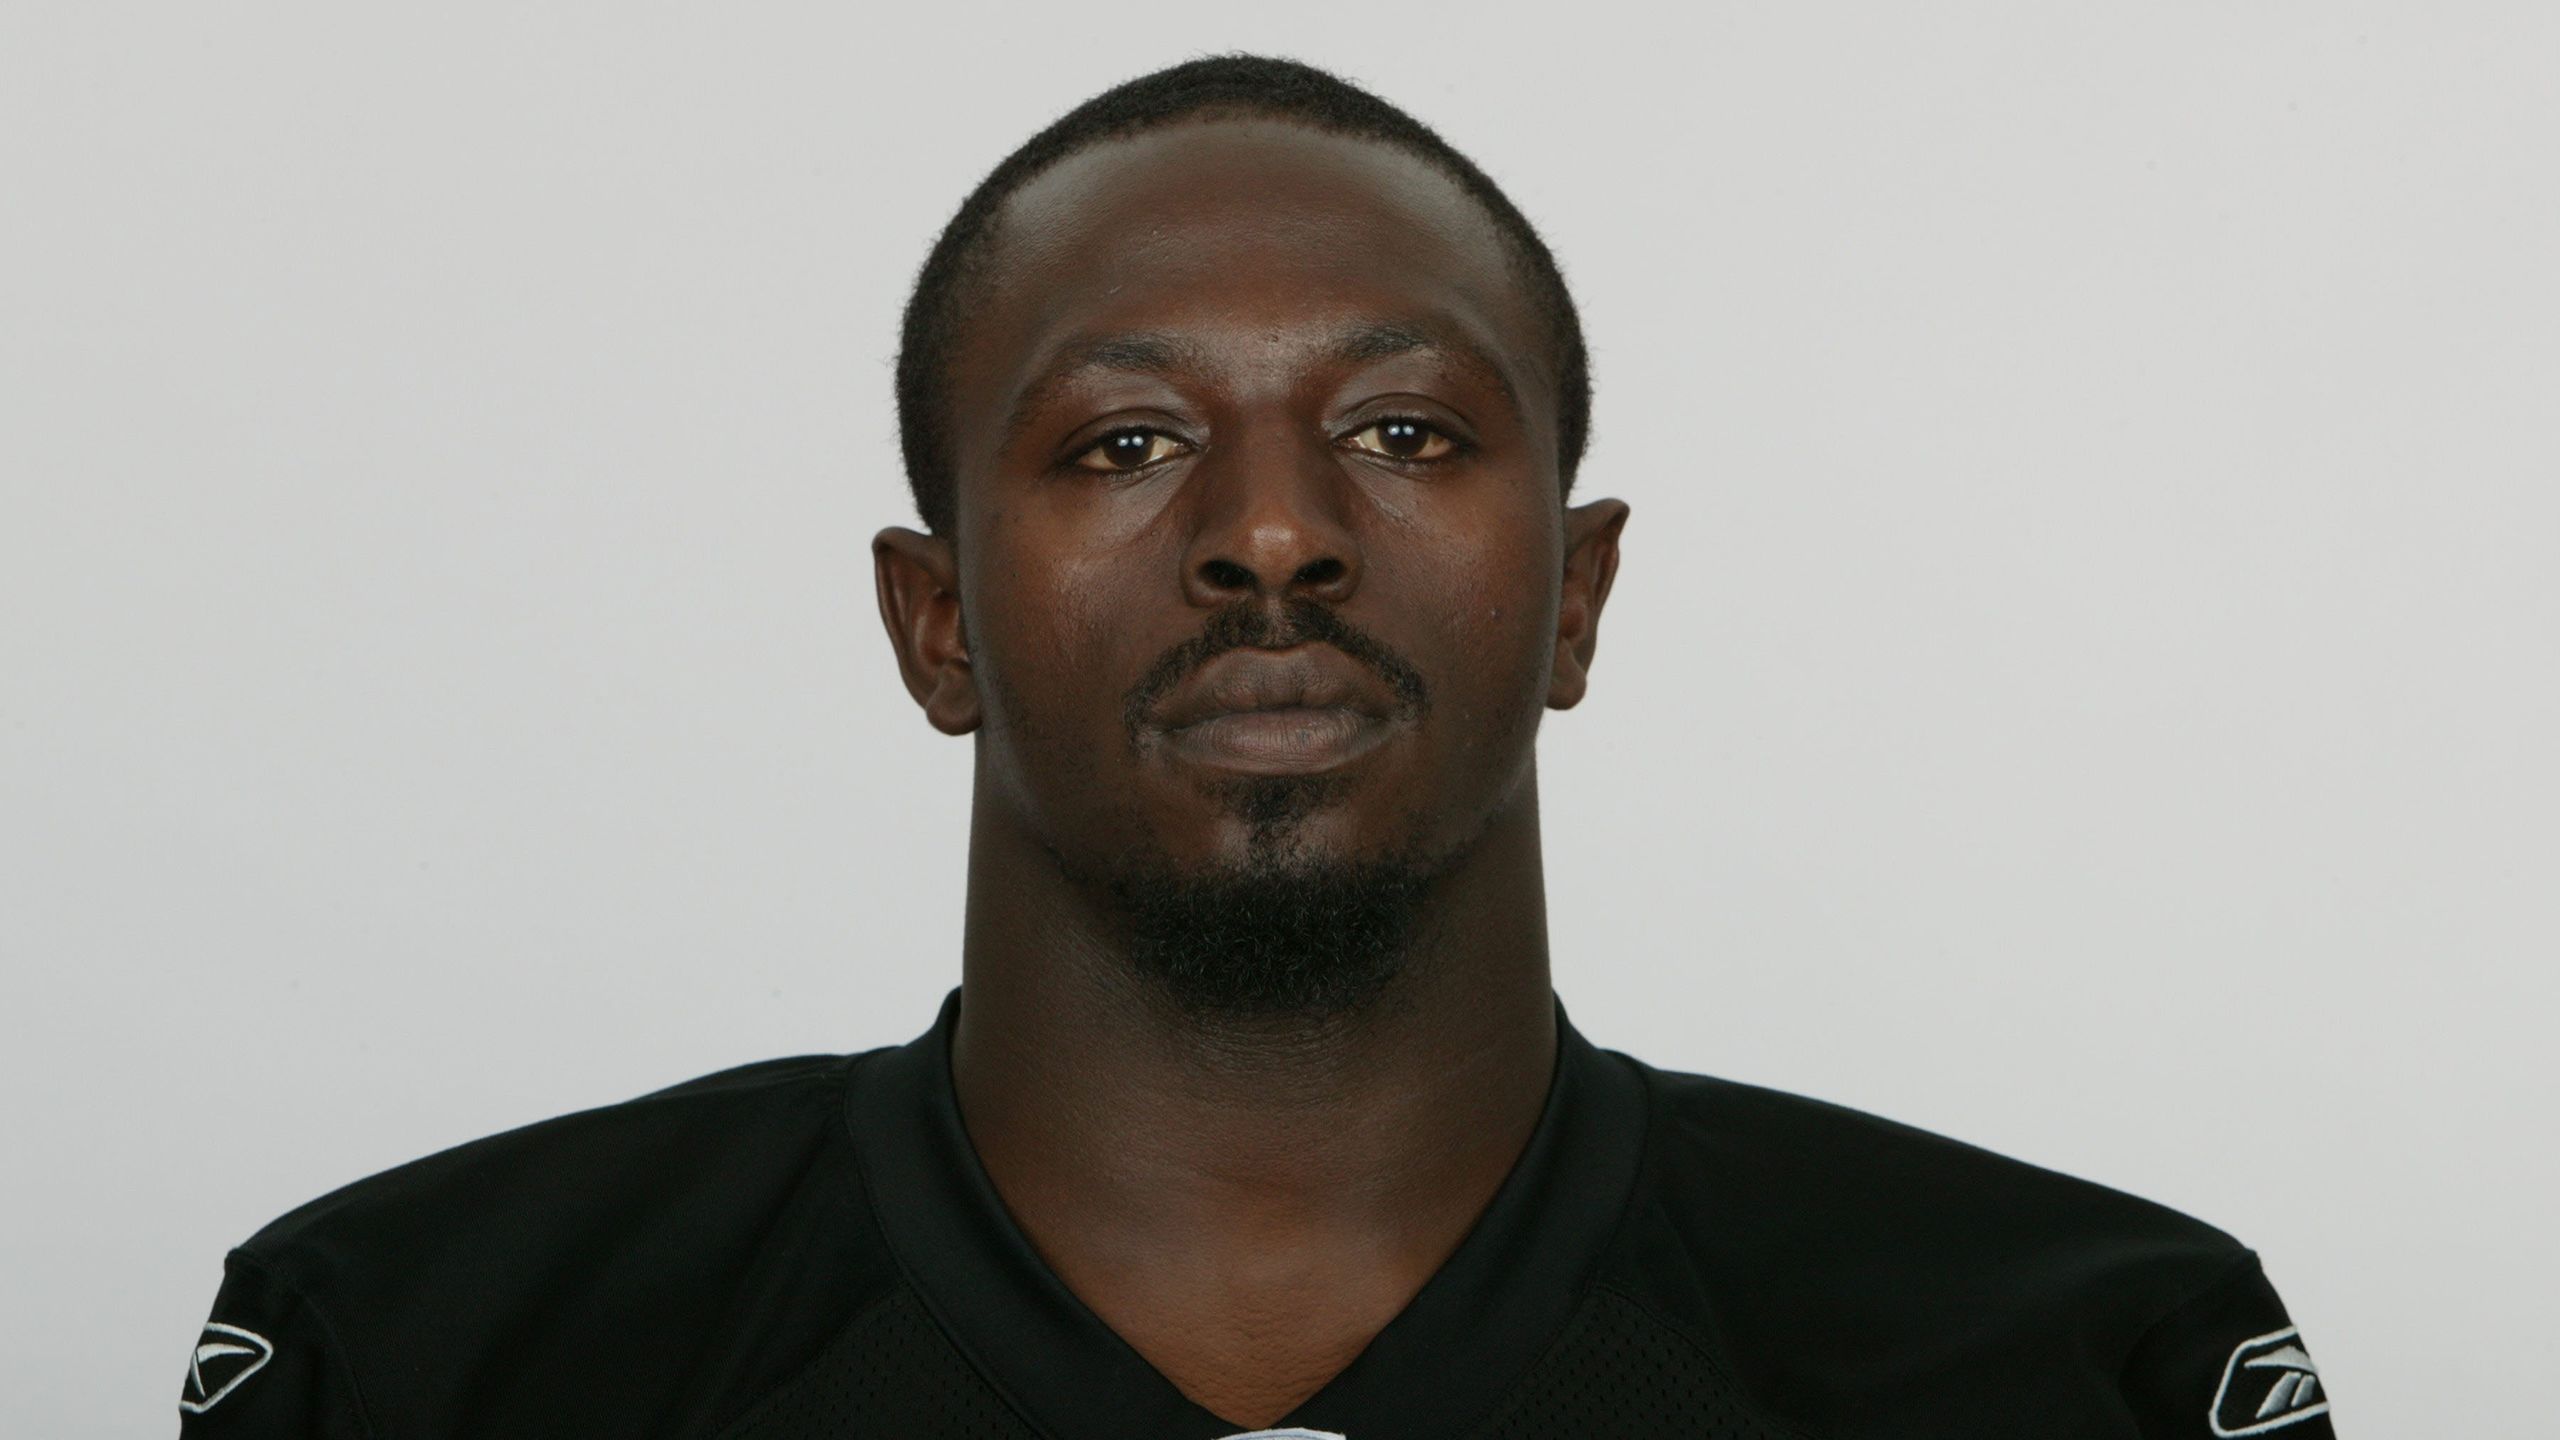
pixel 1590 567
pixel 919 582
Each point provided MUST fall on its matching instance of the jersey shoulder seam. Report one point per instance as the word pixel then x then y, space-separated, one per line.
pixel 329 1333
pixel 2237 1266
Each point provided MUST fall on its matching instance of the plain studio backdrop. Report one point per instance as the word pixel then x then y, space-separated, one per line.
pixel 2082 678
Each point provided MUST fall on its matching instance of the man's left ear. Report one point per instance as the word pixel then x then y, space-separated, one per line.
pixel 1590 566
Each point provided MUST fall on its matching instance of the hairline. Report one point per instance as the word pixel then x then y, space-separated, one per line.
pixel 978 258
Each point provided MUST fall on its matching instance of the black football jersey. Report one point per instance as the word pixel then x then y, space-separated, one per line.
pixel 808 1248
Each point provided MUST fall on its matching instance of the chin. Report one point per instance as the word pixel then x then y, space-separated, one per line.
pixel 1287 928
pixel 1299 823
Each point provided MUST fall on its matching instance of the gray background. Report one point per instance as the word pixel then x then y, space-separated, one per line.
pixel 2082 677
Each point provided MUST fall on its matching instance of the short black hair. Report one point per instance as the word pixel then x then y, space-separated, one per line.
pixel 1254 85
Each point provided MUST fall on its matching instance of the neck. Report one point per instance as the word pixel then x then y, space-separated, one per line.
pixel 1181 1174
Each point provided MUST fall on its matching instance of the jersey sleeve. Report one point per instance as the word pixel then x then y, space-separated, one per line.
pixel 265 1365
pixel 2228 1362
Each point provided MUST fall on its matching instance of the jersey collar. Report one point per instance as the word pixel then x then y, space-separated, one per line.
pixel 1436 1371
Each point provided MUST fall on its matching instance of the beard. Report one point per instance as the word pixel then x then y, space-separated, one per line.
pixel 1280 936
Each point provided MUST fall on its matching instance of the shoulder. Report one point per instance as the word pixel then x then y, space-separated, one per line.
pixel 559 1171
pixel 1897 1193
pixel 729 1206
pixel 1853 1267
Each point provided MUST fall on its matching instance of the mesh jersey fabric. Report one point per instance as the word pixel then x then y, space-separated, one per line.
pixel 1616 1372
pixel 892 1372
pixel 808 1247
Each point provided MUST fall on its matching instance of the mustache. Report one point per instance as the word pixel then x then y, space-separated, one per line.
pixel 1296 621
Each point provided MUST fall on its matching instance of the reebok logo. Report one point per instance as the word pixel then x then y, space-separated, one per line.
pixel 224 1356
pixel 2269 1383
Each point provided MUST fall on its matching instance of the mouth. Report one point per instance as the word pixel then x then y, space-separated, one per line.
pixel 1287 740
pixel 1296 711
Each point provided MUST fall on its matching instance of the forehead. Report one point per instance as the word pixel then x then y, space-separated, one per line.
pixel 1232 232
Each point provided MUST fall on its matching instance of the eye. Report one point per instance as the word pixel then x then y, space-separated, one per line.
pixel 1134 448
pixel 1404 438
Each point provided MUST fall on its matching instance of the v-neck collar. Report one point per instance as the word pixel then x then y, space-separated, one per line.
pixel 1434 1373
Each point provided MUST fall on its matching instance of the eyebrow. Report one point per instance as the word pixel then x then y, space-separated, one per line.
pixel 1377 340
pixel 1147 353
pixel 1132 354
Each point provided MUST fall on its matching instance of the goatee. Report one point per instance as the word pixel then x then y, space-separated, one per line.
pixel 1279 937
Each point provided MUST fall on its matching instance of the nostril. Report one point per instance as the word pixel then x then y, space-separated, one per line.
pixel 1321 572
pixel 1226 575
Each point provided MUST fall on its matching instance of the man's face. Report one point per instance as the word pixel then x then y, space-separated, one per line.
pixel 1261 559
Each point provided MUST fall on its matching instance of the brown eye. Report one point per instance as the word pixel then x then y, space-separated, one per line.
pixel 1122 451
pixel 1404 440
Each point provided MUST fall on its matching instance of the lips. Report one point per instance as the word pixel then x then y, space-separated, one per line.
pixel 1247 681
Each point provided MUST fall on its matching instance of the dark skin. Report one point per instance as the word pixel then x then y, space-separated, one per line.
pixel 1237 363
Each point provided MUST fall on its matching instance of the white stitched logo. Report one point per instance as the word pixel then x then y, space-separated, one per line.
pixel 224 1356
pixel 2270 1383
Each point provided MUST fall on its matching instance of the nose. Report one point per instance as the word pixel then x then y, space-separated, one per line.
pixel 1271 520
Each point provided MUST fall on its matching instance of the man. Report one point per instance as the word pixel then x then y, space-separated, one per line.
pixel 1242 414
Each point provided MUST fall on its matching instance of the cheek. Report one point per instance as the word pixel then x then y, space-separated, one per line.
pixel 1043 622
pixel 1496 601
